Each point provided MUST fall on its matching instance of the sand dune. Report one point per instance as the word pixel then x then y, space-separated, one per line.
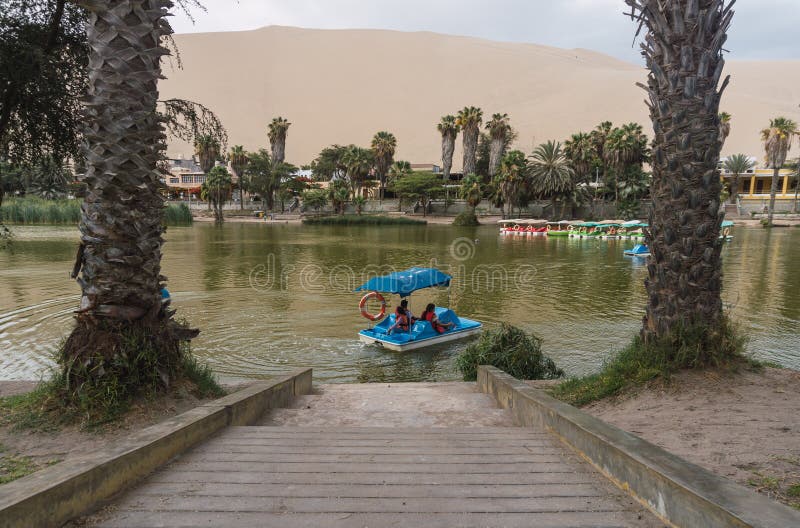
pixel 342 86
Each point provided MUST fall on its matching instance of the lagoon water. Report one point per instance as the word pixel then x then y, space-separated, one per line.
pixel 269 298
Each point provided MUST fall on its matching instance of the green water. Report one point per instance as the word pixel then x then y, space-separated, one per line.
pixel 269 298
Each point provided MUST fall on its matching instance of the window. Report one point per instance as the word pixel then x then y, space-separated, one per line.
pixel 186 178
pixel 174 180
pixel 200 178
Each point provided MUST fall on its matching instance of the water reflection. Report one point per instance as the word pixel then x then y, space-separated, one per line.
pixel 273 297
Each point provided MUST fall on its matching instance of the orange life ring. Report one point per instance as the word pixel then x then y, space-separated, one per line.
pixel 362 305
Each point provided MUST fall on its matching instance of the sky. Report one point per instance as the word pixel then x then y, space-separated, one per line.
pixel 762 29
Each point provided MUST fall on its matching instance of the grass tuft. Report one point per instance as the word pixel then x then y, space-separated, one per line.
pixel 33 210
pixel 177 215
pixel 511 350
pixel 639 362
pixel 13 467
pixel 362 220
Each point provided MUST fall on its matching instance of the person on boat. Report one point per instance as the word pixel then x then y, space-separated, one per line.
pixel 402 320
pixel 430 315
pixel 404 306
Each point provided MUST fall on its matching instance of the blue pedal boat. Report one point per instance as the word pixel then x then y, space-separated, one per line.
pixel 420 333
pixel 639 250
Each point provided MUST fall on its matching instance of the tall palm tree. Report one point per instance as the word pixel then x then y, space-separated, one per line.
pixel 683 51
pixel 383 147
pixel 206 148
pixel 277 131
pixel 777 140
pixel 737 165
pixel 399 170
pixel 449 128
pixel 724 126
pixel 238 158
pixel 119 260
pixel 498 128
pixel 470 119
pixel 599 137
pixel 550 171
pixel 218 184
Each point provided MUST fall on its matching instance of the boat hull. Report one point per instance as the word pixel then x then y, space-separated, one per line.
pixel 383 342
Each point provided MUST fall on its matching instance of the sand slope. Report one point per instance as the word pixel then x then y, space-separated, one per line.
pixel 342 86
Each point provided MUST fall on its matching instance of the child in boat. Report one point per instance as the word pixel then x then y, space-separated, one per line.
pixel 430 315
pixel 402 320
pixel 404 306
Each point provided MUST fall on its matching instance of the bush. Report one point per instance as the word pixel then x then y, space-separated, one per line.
pixel 466 218
pixel 510 349
pixel 177 215
pixel 362 220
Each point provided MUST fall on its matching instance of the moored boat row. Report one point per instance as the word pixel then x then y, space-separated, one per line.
pixel 607 229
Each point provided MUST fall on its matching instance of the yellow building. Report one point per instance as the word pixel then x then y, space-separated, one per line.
pixel 756 183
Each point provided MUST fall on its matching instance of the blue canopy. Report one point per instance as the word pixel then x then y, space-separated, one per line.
pixel 406 282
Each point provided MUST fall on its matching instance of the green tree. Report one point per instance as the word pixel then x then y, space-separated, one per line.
pixel 499 128
pixel 49 179
pixel 262 177
pixel 43 60
pixel 625 147
pixel 207 149
pixel 724 126
pixel 359 202
pixel 552 176
pixel 449 128
pixel 276 132
pixel 329 164
pixel 512 179
pixel 358 162
pixel 471 190
pixel 777 140
pixel 218 185
pixel 422 186
pixel 383 147
pixel 737 165
pixel 315 199
pixel 338 194
pixel 119 261
pixel 469 120
pixel 238 160
pixel 685 269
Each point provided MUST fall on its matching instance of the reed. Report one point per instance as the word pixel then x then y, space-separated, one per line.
pixel 350 220
pixel 32 210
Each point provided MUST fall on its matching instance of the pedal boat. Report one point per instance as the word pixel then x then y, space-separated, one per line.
pixel 639 250
pixel 420 334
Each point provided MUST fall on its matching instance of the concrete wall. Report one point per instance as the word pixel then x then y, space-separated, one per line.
pixel 52 496
pixel 679 492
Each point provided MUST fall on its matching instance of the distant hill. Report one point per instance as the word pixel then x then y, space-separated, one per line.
pixel 342 86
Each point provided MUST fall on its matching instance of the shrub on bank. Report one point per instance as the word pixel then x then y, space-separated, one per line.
pixel 511 350
pixel 466 218
pixel 177 215
pixel 362 220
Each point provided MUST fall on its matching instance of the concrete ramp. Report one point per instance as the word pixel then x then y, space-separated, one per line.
pixel 444 455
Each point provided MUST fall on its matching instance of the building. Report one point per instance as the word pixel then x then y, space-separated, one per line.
pixel 426 167
pixel 756 183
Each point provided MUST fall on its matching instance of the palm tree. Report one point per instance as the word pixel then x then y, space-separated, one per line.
pixel 498 129
pixel 218 184
pixel 469 120
pixel 206 148
pixel 683 51
pixel 625 146
pixel 724 126
pixel 359 162
pixel 277 138
pixel 449 128
pixel 119 259
pixel 471 190
pixel 737 165
pixel 512 178
pixel 383 147
pixel 599 136
pixel 777 140
pixel 238 159
pixel 551 172
pixel 581 153
pixel 399 170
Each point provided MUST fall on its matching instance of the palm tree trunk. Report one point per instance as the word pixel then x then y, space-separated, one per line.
pixel 735 188
pixel 121 217
pixel 684 56
pixel 470 148
pixel 279 150
pixel 773 190
pixel 495 154
pixel 448 148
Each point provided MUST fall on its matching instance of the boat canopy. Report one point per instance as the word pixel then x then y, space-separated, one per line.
pixel 405 282
pixel 726 223
pixel 586 224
